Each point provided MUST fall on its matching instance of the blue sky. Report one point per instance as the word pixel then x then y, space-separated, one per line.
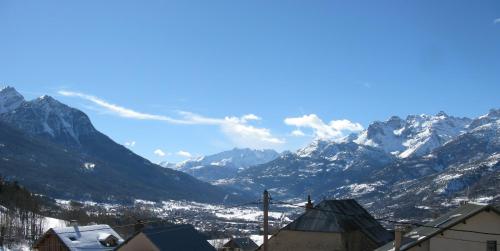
pixel 205 76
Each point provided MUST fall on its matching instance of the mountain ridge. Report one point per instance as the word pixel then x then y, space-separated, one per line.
pixel 79 162
pixel 225 164
pixel 465 161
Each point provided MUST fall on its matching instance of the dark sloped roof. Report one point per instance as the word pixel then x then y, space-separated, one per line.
pixel 244 243
pixel 177 238
pixel 446 221
pixel 340 216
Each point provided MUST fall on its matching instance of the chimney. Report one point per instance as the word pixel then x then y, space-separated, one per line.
pixel 464 202
pixel 398 237
pixel 138 226
pixel 73 223
pixel 309 204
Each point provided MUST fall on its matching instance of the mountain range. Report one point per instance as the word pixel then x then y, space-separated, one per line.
pixel 404 167
pixel 413 166
pixel 54 149
pixel 224 164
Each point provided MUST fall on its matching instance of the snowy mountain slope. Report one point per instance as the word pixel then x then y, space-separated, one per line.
pixel 225 164
pixel 468 167
pixel 296 174
pixel 54 149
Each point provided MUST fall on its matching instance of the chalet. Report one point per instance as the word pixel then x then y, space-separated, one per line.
pixel 468 227
pixel 240 244
pixel 79 238
pixel 331 225
pixel 166 238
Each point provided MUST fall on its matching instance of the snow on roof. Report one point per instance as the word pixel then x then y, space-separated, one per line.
pixel 86 237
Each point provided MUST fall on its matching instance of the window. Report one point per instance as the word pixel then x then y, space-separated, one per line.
pixel 491 246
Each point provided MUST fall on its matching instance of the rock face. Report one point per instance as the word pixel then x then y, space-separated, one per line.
pixel 54 149
pixel 412 166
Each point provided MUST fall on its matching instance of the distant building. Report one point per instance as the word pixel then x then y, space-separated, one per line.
pixel 167 238
pixel 461 229
pixel 331 225
pixel 240 244
pixel 79 238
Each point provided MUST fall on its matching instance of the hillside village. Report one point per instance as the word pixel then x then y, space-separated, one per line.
pixel 324 225
pixel 330 225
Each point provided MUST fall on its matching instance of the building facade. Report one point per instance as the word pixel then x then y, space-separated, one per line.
pixel 469 227
pixel 332 225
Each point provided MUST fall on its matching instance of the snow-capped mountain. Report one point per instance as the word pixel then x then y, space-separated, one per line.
pixel 448 158
pixel 416 135
pixel 225 164
pixel 54 149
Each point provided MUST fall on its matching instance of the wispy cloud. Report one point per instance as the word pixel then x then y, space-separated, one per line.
pixel 159 153
pixel 335 129
pixel 130 143
pixel 496 21
pixel 237 129
pixel 184 154
pixel 119 110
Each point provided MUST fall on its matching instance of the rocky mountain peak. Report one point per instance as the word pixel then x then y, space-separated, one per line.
pixel 46 117
pixel 313 148
pixel 442 114
pixel 494 113
pixel 10 99
pixel 492 116
pixel 416 135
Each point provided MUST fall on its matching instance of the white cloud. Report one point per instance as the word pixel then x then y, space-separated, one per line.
pixel 159 152
pixel 184 154
pixel 130 143
pixel 237 129
pixel 496 21
pixel 249 117
pixel 298 133
pixel 335 129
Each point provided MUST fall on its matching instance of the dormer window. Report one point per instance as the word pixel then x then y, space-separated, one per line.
pixel 108 240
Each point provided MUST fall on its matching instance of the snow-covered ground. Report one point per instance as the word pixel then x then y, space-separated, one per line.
pixel 47 223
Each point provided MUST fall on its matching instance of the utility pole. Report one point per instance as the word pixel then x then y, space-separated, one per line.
pixel 266 218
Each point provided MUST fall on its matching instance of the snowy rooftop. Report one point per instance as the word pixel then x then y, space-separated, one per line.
pixel 86 237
